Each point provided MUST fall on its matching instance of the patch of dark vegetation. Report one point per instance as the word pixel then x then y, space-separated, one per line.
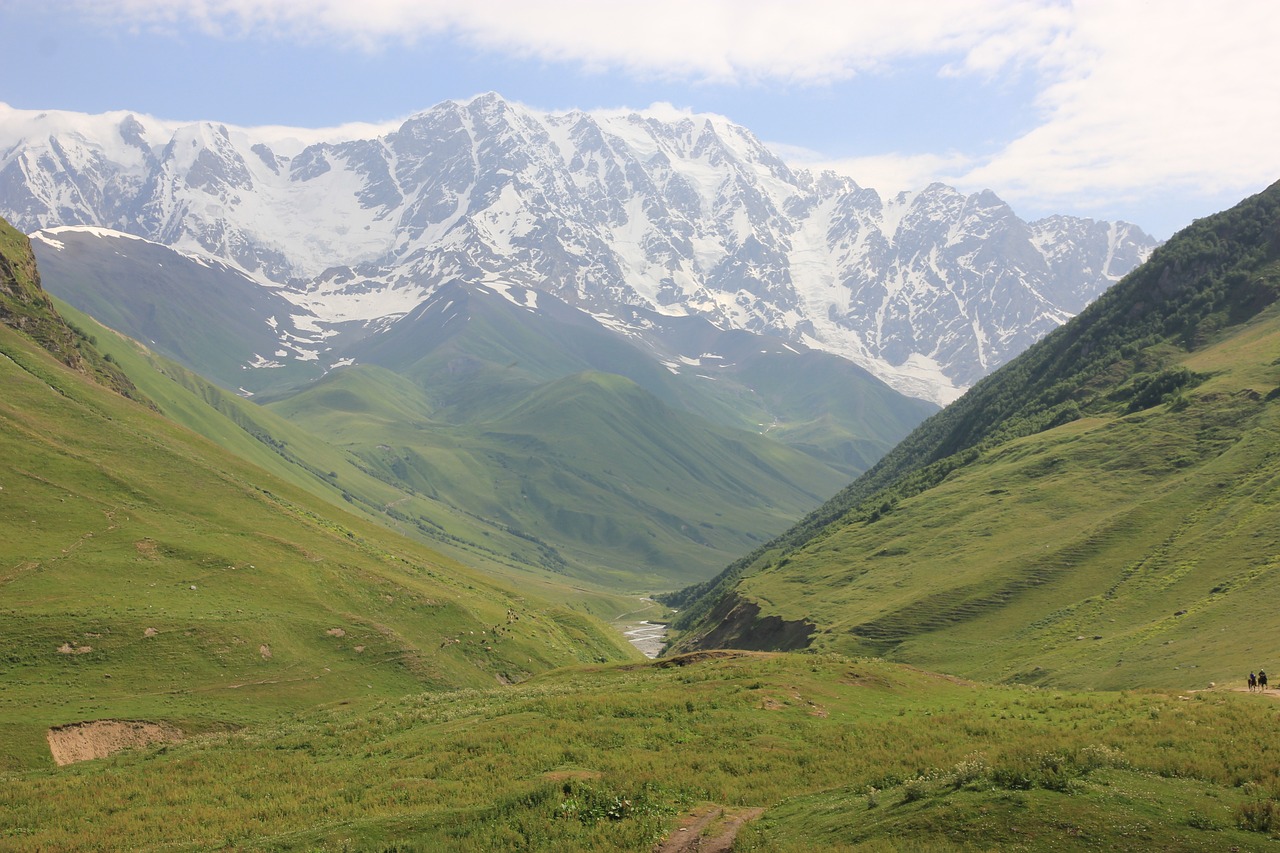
pixel 739 625
pixel 1261 815
pixel 1151 389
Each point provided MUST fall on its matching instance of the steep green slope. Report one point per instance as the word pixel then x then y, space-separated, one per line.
pixel 147 574
pixel 623 490
pixel 284 449
pixel 25 306
pixel 1098 512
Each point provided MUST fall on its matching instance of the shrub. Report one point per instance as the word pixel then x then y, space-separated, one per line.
pixel 973 769
pixel 916 788
pixel 1258 816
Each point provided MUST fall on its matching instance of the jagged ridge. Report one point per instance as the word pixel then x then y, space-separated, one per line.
pixel 682 214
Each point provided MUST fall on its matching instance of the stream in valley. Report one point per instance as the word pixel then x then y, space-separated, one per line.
pixel 648 637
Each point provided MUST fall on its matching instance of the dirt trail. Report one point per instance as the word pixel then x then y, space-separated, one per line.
pixel 100 738
pixel 709 829
pixel 1270 693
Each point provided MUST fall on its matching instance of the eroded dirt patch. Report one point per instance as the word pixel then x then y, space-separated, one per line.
pixel 710 829
pixel 567 775
pixel 100 738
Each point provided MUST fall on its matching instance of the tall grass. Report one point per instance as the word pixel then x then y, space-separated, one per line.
pixel 605 758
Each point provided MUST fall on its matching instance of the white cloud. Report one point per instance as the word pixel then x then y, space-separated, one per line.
pixel 1180 96
pixel 1135 98
pixel 725 41
pixel 887 174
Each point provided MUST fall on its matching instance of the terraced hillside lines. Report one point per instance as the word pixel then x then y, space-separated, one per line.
pixel 946 609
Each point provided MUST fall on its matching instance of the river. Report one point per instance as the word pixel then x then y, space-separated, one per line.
pixel 648 637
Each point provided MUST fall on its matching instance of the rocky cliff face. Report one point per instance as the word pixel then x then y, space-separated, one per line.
pixel 623 215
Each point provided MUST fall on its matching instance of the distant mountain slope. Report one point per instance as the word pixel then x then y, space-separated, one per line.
pixel 289 452
pixel 147 574
pixel 206 314
pixel 623 490
pixel 429 422
pixel 473 348
pixel 621 214
pixel 1101 511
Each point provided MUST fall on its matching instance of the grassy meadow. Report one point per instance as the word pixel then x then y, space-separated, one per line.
pixel 844 754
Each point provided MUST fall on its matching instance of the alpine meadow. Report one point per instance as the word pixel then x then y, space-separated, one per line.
pixel 339 480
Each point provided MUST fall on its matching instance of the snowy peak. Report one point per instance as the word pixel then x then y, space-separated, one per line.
pixel 613 212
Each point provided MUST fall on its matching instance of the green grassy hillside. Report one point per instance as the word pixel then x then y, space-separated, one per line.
pixel 145 573
pixel 1100 512
pixel 284 449
pixel 423 432
pixel 25 306
pixel 622 490
pixel 840 754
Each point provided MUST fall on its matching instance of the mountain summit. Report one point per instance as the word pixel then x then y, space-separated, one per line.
pixel 622 214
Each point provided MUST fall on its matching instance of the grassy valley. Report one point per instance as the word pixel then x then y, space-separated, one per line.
pixel 146 573
pixel 531 442
pixel 1021 629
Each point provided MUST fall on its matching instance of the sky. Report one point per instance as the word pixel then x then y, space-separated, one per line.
pixel 1152 112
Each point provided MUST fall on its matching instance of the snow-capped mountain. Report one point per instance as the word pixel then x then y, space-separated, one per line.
pixel 621 214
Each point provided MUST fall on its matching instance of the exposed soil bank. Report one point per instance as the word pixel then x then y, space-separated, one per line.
pixel 100 738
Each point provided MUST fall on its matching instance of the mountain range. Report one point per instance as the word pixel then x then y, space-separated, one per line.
pixel 639 219
pixel 1100 512
pixel 233 660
